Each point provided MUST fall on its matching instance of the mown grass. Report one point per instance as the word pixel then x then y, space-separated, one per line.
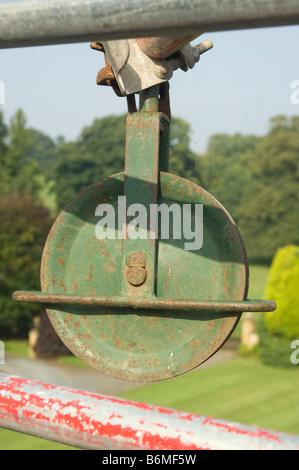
pixel 241 390
pixel 10 440
pixel 258 276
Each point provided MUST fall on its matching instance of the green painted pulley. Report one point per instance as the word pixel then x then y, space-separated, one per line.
pixel 126 287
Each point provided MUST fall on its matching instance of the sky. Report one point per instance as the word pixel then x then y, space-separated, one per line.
pixel 235 88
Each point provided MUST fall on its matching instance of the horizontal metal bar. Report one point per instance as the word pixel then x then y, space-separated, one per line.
pixel 152 303
pixel 36 22
pixel 97 422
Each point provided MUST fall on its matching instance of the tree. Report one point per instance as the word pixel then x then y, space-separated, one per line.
pixel 100 152
pixel 182 161
pixel 18 174
pixel 268 215
pixel 225 168
pixel 3 152
pixel 19 143
pixel 24 228
pixel 3 135
pixel 42 150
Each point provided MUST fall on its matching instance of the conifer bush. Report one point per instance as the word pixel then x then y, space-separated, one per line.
pixel 281 327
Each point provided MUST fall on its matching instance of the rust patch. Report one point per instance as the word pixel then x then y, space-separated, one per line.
pixel 106 268
pixel 91 273
pixel 167 278
pixel 63 286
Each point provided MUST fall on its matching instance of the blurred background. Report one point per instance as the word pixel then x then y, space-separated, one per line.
pixel 235 132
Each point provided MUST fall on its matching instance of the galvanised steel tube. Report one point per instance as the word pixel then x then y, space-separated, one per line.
pixel 99 422
pixel 42 22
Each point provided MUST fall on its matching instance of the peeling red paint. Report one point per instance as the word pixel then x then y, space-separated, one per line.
pixel 85 420
pixel 150 441
pixel 260 433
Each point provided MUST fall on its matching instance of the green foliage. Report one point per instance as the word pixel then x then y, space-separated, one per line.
pixel 182 161
pixel 24 228
pixel 3 135
pixel 274 350
pixel 269 212
pixel 19 174
pixel 52 174
pixel 279 328
pixel 225 168
pixel 282 287
pixel 42 150
pixel 255 178
pixel 100 152
pixel 47 194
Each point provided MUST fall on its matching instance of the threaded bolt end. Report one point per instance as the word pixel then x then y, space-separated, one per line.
pixel 205 46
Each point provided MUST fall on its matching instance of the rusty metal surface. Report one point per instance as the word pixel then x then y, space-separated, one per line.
pixel 136 269
pixel 153 304
pixel 144 308
pixel 106 75
pixel 135 70
pixel 145 344
pixel 143 132
pixel 163 47
pixel 98 422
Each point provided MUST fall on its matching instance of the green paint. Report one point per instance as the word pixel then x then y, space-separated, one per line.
pixel 144 344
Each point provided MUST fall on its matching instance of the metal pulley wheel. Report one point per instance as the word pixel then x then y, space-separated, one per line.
pixel 143 344
pixel 146 308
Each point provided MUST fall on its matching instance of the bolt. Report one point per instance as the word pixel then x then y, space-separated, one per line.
pixel 136 272
pixel 205 46
pixel 163 71
pixel 136 276
pixel 188 56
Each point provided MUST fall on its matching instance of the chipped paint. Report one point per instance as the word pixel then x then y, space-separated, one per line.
pixel 92 421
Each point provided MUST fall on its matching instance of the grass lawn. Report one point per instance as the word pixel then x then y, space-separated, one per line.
pixel 10 440
pixel 242 390
pixel 18 347
pixel 257 281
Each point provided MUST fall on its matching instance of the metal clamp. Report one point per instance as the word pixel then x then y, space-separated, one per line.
pixel 131 67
